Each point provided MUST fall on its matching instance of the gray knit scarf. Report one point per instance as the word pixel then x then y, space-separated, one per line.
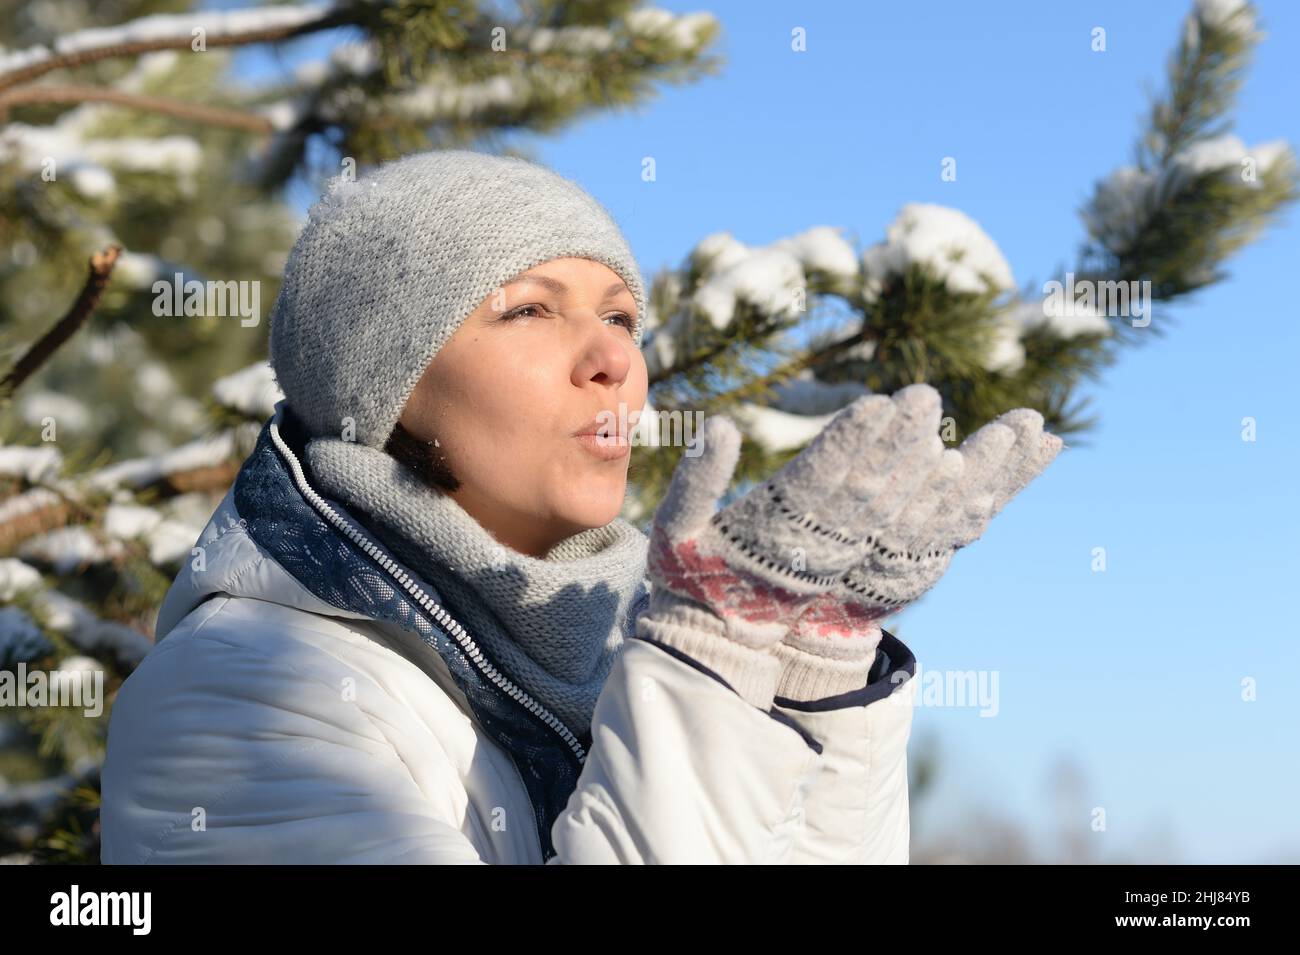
pixel 554 625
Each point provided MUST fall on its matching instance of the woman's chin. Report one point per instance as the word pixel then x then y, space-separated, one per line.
pixel 596 510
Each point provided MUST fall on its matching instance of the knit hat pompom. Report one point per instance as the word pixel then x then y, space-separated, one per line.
pixel 388 266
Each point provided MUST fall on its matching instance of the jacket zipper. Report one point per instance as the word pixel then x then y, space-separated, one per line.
pixel 466 642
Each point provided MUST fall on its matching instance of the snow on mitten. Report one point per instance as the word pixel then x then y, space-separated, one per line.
pixel 912 532
pixel 727 586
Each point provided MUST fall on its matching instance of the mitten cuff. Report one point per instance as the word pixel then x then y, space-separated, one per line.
pixel 808 675
pixel 702 635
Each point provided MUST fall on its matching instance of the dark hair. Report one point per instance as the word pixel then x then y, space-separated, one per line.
pixel 428 463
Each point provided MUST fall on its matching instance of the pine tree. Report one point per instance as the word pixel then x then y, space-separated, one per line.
pixel 134 141
pixel 781 337
pixel 101 497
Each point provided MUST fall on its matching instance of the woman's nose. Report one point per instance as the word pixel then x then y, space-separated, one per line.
pixel 604 358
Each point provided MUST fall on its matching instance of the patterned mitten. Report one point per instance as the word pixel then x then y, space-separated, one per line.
pixel 727 586
pixel 914 525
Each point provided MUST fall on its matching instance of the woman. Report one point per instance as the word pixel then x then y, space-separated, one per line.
pixel 416 629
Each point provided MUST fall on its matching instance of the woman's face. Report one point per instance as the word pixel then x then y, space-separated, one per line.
pixel 536 363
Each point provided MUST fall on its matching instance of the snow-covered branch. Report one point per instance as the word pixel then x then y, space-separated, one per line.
pixel 774 279
pixel 203 466
pixel 1124 204
pixel 165 31
pixel 537 65
pixel 949 244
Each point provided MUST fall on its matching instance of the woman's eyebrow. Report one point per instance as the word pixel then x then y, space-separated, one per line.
pixel 559 288
pixel 555 285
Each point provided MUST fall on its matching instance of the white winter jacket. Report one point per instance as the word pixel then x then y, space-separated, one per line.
pixel 308 700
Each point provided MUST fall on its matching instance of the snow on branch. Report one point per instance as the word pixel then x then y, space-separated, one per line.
pixel 156 32
pixel 17 577
pixel 30 513
pixel 92 165
pixel 200 464
pixel 20 634
pixel 1233 16
pixel 553 69
pixel 949 244
pixel 684 32
pixel 32 465
pixel 87 631
pixel 805 394
pixel 1062 316
pixel 21 638
pixel 1124 203
pixel 252 391
pixel 773 278
pixel 779 430
pixel 205 465
pixel 36 519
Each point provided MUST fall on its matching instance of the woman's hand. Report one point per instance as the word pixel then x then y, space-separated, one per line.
pixel 859 524
pixel 832 645
pixel 763 559
pixel 749 571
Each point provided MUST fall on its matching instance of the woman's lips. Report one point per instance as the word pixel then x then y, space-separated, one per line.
pixel 606 447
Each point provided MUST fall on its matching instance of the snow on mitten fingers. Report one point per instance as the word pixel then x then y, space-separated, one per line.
pixel 756 564
pixel 908 558
pixel 1034 450
pixel 831 648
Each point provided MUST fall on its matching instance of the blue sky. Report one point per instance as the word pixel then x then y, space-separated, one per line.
pixel 1133 674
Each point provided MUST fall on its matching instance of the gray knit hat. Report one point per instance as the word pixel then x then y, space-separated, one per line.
pixel 389 265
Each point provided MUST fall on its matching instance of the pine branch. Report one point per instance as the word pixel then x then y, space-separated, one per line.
pixel 407 90
pixel 719 346
pixel 1204 78
pixel 192 112
pixel 811 358
pixel 1176 217
pixel 43 509
pixel 183 40
pixel 30 514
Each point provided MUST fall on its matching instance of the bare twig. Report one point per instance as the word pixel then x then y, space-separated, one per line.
pixel 196 112
pixel 101 268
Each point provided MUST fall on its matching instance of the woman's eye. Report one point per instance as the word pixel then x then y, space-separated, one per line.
pixel 524 311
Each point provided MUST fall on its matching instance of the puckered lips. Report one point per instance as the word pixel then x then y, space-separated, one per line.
pixel 604 436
